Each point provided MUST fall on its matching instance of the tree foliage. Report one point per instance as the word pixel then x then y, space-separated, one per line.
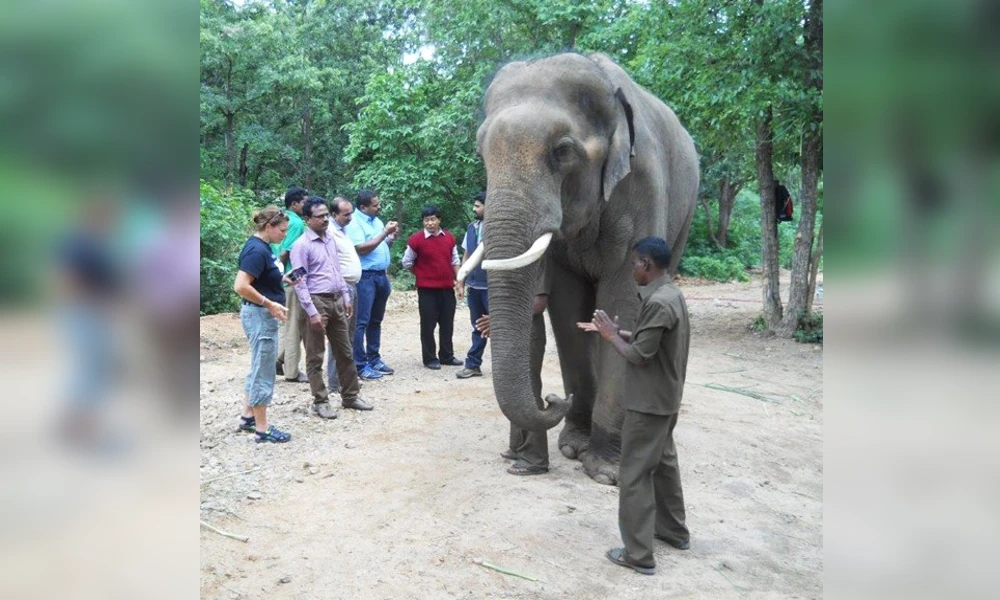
pixel 386 94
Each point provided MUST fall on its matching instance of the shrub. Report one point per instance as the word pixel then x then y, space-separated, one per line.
pixel 715 268
pixel 404 281
pixel 225 227
pixel 810 329
pixel 743 237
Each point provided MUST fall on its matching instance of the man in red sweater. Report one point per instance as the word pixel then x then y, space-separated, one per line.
pixel 432 256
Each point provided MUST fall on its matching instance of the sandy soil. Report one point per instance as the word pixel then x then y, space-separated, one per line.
pixel 406 501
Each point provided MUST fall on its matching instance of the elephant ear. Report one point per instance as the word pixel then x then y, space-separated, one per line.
pixel 617 164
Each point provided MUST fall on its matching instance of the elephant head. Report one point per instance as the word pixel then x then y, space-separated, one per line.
pixel 556 139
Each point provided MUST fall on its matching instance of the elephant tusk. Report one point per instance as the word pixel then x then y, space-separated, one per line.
pixel 474 259
pixel 534 253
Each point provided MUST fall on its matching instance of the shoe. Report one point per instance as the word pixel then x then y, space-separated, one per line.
pixel 248 424
pixel 509 454
pixel 325 410
pixel 357 404
pixel 452 362
pixel 380 366
pixel 467 373
pixel 620 557
pixel 679 545
pixel 273 435
pixel 523 469
pixel 301 378
pixel 435 365
pixel 366 372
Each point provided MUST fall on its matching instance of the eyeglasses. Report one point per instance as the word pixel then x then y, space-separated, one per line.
pixel 277 217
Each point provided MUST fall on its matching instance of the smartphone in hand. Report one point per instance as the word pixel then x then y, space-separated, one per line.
pixel 296 274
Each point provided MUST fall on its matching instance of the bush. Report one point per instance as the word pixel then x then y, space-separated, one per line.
pixel 711 267
pixel 225 227
pixel 404 281
pixel 810 329
pixel 743 239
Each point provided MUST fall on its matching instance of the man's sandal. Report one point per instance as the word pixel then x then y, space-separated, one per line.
pixel 248 424
pixel 620 557
pixel 517 469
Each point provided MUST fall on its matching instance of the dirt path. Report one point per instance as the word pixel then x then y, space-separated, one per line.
pixel 400 502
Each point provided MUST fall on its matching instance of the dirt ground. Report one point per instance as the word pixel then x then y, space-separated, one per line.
pixel 408 500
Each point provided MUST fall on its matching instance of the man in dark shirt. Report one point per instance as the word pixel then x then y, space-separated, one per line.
pixel 651 502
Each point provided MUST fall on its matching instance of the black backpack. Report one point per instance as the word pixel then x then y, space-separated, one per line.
pixel 782 203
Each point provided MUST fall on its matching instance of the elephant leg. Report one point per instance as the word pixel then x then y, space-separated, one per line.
pixel 617 297
pixel 572 300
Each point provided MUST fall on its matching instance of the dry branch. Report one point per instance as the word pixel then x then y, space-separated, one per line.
pixel 242 538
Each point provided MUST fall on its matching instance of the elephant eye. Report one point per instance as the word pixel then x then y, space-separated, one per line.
pixel 564 151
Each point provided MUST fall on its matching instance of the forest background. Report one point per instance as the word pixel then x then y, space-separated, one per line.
pixel 338 96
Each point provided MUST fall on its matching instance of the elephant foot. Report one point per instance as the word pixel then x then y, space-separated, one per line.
pixel 600 469
pixel 573 441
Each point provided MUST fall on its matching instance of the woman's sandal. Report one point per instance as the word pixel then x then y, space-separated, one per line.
pixel 274 435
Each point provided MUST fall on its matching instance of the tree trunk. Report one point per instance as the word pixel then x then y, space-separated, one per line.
pixel 813 271
pixel 230 149
pixel 307 153
pixel 768 223
pixel 230 118
pixel 798 294
pixel 242 177
pixel 727 198
pixel 708 218
pixel 256 175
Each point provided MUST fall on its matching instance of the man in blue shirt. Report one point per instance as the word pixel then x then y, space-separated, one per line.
pixel 371 240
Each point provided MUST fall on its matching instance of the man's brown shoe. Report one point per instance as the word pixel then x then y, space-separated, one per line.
pixel 326 410
pixel 357 404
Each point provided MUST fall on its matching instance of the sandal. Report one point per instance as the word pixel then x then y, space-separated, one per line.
pixel 509 455
pixel 519 469
pixel 248 424
pixel 620 557
pixel 274 435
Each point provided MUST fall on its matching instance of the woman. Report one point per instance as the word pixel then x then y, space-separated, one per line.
pixel 258 282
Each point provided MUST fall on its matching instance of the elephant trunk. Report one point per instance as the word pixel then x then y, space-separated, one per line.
pixel 511 293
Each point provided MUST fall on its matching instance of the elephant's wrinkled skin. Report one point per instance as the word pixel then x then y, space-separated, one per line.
pixel 574 147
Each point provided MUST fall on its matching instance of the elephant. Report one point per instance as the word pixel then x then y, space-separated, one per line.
pixel 581 162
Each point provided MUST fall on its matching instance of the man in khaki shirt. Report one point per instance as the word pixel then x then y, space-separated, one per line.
pixel 651 502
